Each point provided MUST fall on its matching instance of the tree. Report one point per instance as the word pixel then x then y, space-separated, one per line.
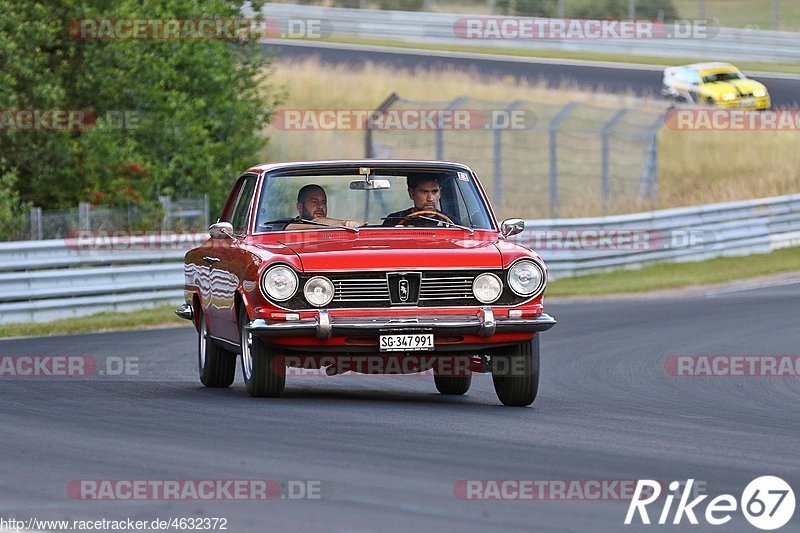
pixel 178 116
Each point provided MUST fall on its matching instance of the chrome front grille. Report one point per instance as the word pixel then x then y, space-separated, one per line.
pixel 361 290
pixel 449 288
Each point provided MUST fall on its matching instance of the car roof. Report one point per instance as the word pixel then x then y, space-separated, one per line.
pixel 338 163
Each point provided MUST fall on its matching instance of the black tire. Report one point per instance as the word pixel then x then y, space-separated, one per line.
pixel 710 101
pixel 217 367
pixel 264 372
pixel 515 373
pixel 453 385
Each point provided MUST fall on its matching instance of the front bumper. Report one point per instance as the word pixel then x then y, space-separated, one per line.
pixel 323 326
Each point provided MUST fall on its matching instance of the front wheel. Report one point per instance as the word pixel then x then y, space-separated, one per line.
pixel 515 373
pixel 264 372
pixel 217 367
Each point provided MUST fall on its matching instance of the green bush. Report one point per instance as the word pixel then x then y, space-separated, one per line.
pixel 197 104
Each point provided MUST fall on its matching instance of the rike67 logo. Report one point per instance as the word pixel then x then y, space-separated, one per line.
pixel 767 502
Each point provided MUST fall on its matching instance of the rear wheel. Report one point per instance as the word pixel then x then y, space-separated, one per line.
pixel 264 372
pixel 217 367
pixel 515 373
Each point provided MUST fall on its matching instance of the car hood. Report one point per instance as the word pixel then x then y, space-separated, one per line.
pixel 735 86
pixel 381 250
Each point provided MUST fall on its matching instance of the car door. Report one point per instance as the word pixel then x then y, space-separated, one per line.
pixel 228 261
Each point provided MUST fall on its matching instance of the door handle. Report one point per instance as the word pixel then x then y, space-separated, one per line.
pixel 210 260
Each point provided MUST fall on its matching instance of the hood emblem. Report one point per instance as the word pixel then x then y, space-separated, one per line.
pixel 403 289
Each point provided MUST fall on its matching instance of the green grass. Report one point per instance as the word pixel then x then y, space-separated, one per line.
pixel 751 66
pixel 142 318
pixel 675 275
pixel 744 13
pixel 661 276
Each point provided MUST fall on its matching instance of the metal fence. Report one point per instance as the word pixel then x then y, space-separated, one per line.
pixel 747 42
pixel 47 280
pixel 560 160
pixel 183 214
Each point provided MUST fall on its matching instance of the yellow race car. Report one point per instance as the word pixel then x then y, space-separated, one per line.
pixel 717 84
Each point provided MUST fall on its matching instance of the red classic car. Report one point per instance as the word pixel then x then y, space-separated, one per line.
pixel 349 265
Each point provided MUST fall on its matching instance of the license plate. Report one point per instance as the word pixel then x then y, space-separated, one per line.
pixel 403 343
pixel 747 101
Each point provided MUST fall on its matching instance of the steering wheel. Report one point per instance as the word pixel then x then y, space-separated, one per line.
pixel 426 212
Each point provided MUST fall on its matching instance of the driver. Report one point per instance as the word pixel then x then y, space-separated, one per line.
pixel 424 191
pixel 312 204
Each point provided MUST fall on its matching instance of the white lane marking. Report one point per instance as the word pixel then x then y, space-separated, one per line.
pixel 499 57
pixel 752 287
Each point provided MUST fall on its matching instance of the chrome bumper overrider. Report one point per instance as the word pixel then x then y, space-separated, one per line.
pixel 323 326
pixel 185 311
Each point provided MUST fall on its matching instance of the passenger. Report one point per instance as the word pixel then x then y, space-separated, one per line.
pixel 312 204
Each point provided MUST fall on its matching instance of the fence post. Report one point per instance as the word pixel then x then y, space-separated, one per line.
pixel 776 14
pixel 205 211
pixel 439 132
pixel 498 154
pixel 369 148
pixel 36 223
pixel 84 216
pixel 555 123
pixel 631 9
pixel 166 203
pixel 608 129
pixel 649 184
pixel 702 9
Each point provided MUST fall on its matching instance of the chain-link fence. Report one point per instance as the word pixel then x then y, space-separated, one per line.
pixel 184 215
pixel 536 159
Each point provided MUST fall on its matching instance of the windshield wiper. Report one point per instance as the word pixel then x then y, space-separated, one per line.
pixel 304 221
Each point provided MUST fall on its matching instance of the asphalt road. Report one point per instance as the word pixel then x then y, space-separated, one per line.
pixel 616 78
pixel 387 451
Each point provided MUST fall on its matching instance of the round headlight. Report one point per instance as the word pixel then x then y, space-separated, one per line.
pixel 487 288
pixel 279 283
pixel 318 291
pixel 526 278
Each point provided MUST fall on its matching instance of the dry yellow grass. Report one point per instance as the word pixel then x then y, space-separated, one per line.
pixel 694 167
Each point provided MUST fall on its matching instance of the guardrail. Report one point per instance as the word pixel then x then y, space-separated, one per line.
pixel 47 280
pixel 439 28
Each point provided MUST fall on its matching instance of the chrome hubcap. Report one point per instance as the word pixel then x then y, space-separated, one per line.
pixel 201 346
pixel 247 357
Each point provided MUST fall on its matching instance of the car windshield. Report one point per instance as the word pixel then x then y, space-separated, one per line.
pixel 723 76
pixel 447 197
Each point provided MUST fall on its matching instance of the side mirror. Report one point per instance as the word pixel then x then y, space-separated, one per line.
pixel 221 230
pixel 512 226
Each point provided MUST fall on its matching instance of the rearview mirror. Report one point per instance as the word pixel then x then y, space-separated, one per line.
pixel 220 230
pixel 512 226
pixel 370 185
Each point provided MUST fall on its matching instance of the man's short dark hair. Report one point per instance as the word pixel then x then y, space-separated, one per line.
pixel 305 190
pixel 414 180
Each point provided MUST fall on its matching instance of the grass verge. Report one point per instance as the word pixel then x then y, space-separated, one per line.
pixel 662 276
pixel 142 318
pixel 677 275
